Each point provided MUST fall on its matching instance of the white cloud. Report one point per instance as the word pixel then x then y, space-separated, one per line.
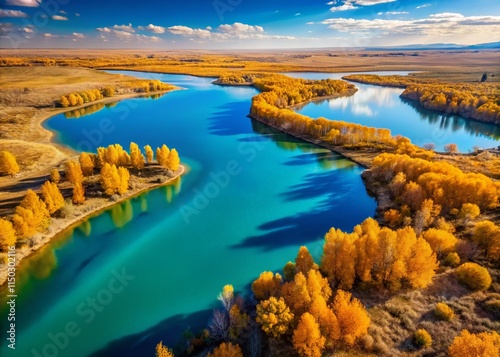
pixel 226 32
pixel 189 32
pixel 28 29
pixel 103 29
pixel 12 13
pixel 63 12
pixel 351 4
pixel 25 3
pixel 59 18
pixel 78 35
pixel 393 13
pixel 48 35
pixel 77 14
pixel 435 28
pixel 126 28
pixel 238 27
pixel 424 5
pixel 345 7
pixel 297 14
pixel 371 2
pixel 153 28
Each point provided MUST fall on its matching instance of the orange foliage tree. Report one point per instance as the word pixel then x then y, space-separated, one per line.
pixel 307 338
pixel 8 164
pixel 52 197
pixel 274 316
pixel 31 216
pixel 7 234
pixel 86 164
pixel 485 344
pixel 352 317
pixel 226 350
pixel 266 285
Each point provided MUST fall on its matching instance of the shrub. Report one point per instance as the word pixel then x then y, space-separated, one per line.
pixel 451 260
pixel 444 312
pixel 474 276
pixel 480 345
pixel 422 338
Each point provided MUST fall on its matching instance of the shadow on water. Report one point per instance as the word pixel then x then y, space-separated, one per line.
pixel 308 226
pixel 229 119
pixel 170 331
pixel 455 122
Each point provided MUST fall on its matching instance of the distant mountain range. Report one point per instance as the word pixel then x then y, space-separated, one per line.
pixel 440 46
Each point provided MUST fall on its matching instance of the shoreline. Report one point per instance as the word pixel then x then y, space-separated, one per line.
pixel 61 225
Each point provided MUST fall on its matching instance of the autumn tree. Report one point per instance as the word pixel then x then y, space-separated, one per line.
pixel 163 351
pixel 64 102
pixel 31 216
pixel 304 261
pixel 55 177
pixel 326 318
pixel 114 180
pixel 339 258
pixel 149 153
pixel 136 158
pixel 484 344
pixel 307 338
pixel 7 234
pixel 474 276
pixel 486 235
pixel 52 197
pixel 226 297
pixel 8 164
pixel 441 242
pixel 124 176
pixel 86 164
pixel 289 271
pixel 451 148
pixel 226 350
pixel 74 173
pixel 78 194
pixel 162 155
pixel 173 160
pixel 468 212
pixel 274 316
pixel 266 285
pixel 352 317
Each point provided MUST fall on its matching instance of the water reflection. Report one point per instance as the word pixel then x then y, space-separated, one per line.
pixel 454 122
pixel 85 228
pixel 326 158
pixel 173 189
pixel 122 213
pixel 91 109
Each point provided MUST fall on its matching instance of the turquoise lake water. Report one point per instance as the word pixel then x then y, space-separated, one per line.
pixel 382 107
pixel 252 197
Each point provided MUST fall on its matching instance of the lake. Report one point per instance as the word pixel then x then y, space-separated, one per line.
pixel 150 269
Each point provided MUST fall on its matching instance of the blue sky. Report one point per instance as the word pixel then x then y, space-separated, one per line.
pixel 242 24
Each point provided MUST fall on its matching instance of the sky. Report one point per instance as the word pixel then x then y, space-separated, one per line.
pixel 245 24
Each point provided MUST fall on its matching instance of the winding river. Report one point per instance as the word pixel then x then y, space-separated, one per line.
pixel 150 268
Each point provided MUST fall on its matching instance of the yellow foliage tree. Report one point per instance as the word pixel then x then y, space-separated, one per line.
pixel 31 216
pixel 441 242
pixel 86 164
pixel 468 212
pixel 487 236
pixel 339 258
pixel 304 261
pixel 114 180
pixel 226 350
pixel 352 317
pixel 149 153
pixel 274 316
pixel 78 194
pixel 327 320
pixel 162 155
pixel 8 164
pixel 266 285
pixel 163 351
pixel 474 276
pixel 124 175
pixel 55 177
pixel 52 197
pixel 74 172
pixel 173 160
pixel 307 338
pixel 136 158
pixel 7 234
pixel 485 344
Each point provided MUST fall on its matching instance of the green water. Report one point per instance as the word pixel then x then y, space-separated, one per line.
pixel 251 198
